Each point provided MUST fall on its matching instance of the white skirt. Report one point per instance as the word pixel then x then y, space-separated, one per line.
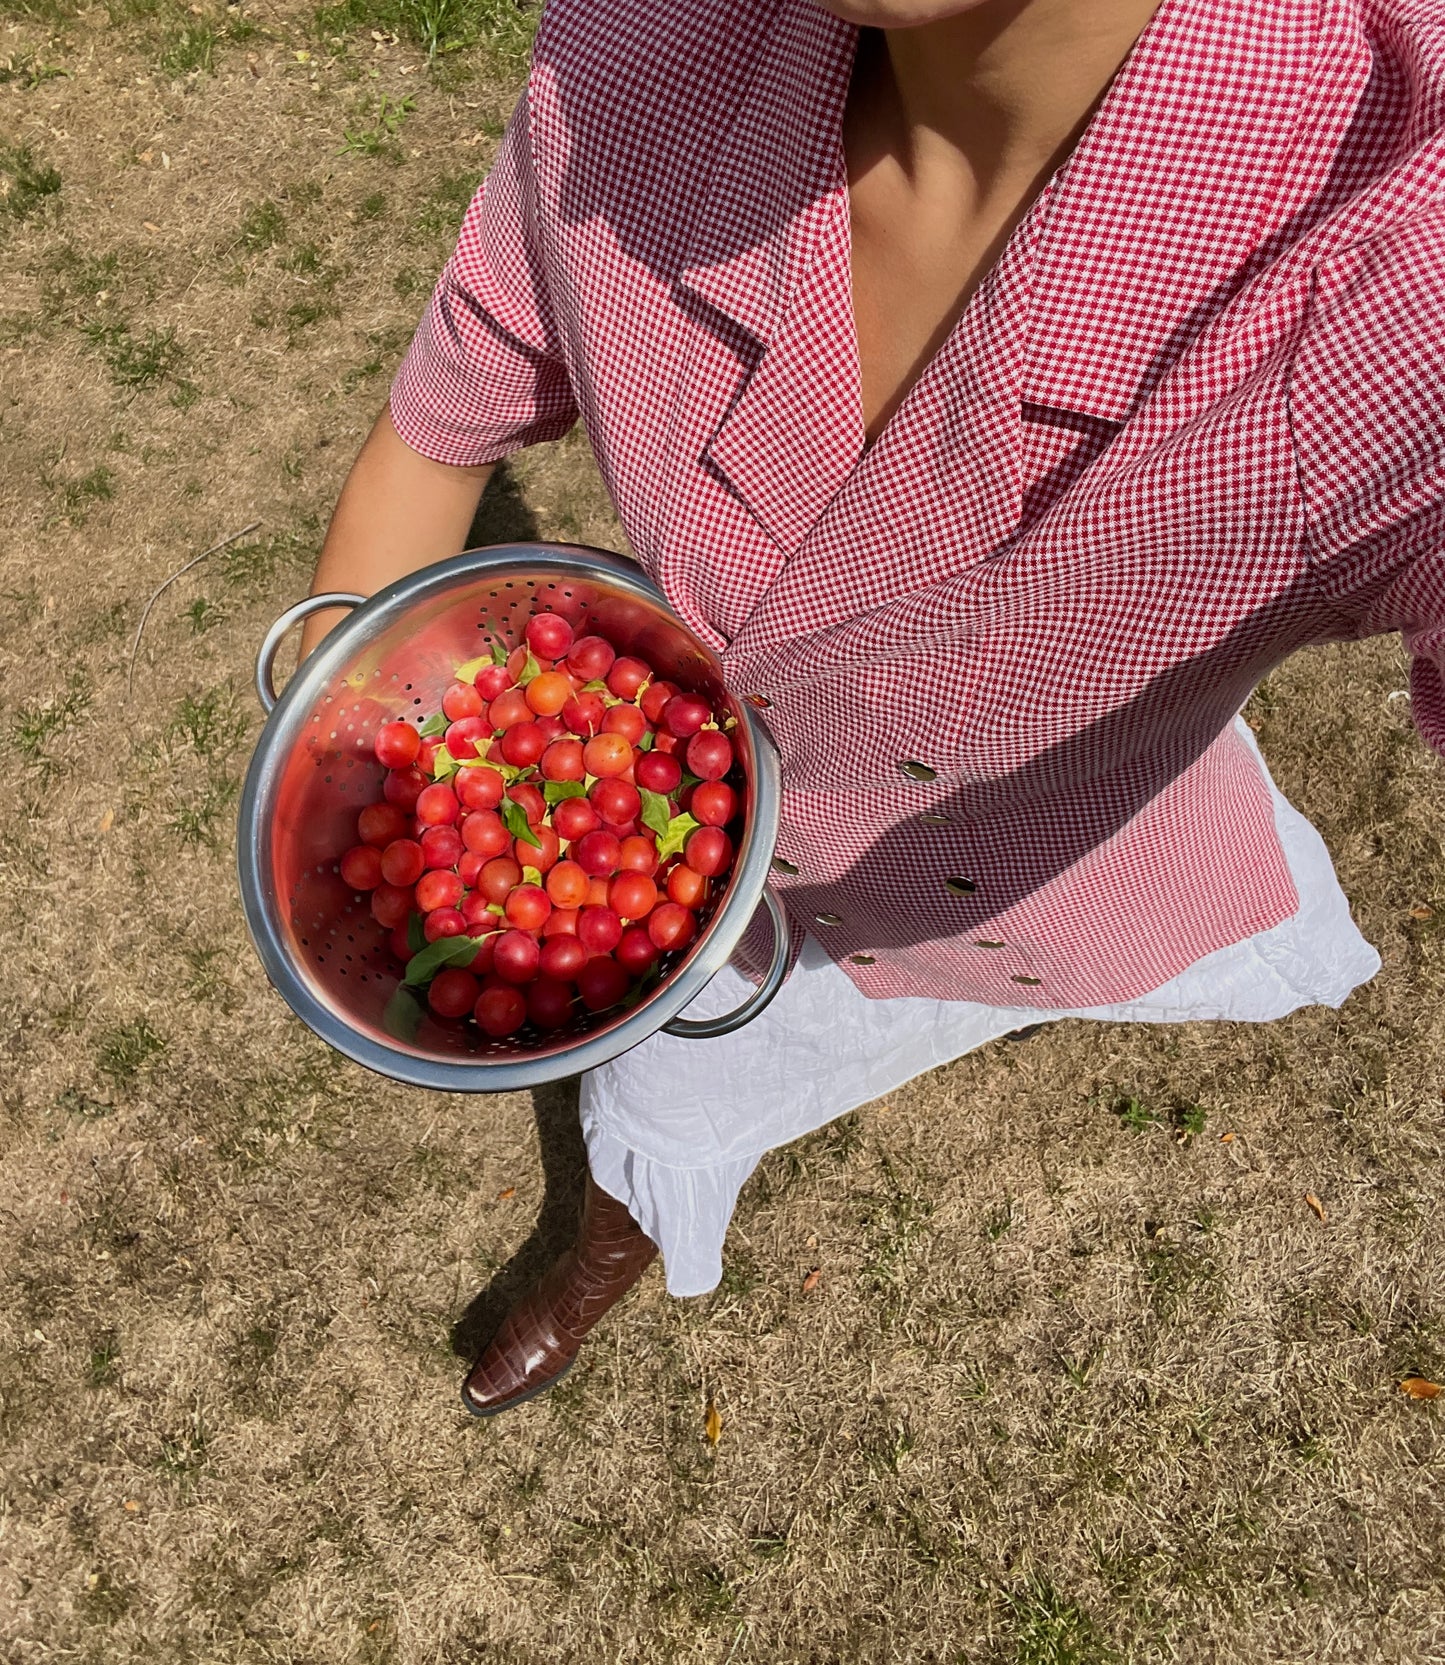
pixel 675 1127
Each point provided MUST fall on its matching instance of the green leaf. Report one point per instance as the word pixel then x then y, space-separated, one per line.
pixel 645 743
pixel 499 654
pixel 530 876
pixel 656 811
pixel 472 762
pixel 468 671
pixel 402 1015
pixel 415 935
pixel 422 967
pixel 517 824
pixel 498 909
pixel 444 765
pixel 672 841
pixel 530 669
pixel 596 686
pixel 433 725
pixel 556 790
pixel 688 780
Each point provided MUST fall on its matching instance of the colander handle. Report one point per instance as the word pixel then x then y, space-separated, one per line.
pixel 706 1029
pixel 266 658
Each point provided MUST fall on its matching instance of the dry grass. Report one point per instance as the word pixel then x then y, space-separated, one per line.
pixel 1079 1380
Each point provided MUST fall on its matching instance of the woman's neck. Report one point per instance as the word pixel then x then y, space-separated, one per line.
pixel 1002 85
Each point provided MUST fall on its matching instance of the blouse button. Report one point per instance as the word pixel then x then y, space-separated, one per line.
pixel 981 943
pixel 935 820
pixel 916 770
pixel 960 887
pixel 1032 981
pixel 862 959
pixel 760 701
pixel 828 918
pixel 783 866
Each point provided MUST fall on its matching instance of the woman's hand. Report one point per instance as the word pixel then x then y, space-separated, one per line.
pixel 397 512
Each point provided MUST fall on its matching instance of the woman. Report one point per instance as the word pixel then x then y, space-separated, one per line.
pixel 1003 387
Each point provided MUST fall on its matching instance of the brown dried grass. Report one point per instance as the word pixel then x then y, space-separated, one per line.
pixel 1069 1387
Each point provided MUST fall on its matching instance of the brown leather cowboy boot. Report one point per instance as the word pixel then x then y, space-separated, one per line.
pixel 540 1337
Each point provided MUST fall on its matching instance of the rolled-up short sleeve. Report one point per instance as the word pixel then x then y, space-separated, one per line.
pixel 1368 410
pixel 485 374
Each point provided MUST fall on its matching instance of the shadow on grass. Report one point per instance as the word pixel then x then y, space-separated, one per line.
pixel 564 1166
pixel 503 515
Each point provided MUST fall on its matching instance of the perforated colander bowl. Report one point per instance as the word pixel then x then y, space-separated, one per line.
pixel 313 770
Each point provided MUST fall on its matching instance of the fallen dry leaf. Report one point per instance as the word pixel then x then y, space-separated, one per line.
pixel 1315 1204
pixel 1226 1138
pixel 810 1283
pixel 1420 1387
pixel 130 1506
pixel 507 1194
pixel 1422 912
pixel 712 1424
pixel 107 821
pixel 150 225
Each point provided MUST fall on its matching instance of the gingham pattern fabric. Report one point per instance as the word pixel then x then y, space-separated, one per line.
pixel 1193 419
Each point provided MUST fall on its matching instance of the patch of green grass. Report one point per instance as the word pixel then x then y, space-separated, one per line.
pixel 1136 1116
pixel 102 1370
pixel 189 49
pixel 203 615
pixel 211 724
pixel 252 566
pixel 73 1102
pixel 301 316
pixel 40 11
pixel 1186 1121
pixel 890 1451
pixel 16 328
pixel 1178 1276
pixel 133 362
pixel 263 225
pixel 306 261
pixel 70 277
pixel 200 741
pixel 122 12
pixel 199 813
pixel 893 1227
pixel 502 28
pixel 1080 1367
pixel 24 70
pixel 73 497
pixel 371 207
pixel 26 185
pixel 999 1221
pixel 380 138
pixel 35 724
pixel 441 212
pixel 411 281
pixel 1048 1629
pixel 126 1049
pixel 183 1455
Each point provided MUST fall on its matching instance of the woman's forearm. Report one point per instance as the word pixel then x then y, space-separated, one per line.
pixel 398 511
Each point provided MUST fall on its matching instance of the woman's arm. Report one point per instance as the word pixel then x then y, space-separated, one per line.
pixel 398 511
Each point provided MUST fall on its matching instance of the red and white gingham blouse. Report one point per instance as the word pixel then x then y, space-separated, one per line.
pixel 1193 419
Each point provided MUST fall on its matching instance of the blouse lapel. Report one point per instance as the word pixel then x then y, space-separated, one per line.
pixel 1201 167
pixel 768 402
pixel 1197 171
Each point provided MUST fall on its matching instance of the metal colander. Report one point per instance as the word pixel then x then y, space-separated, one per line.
pixel 313 770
